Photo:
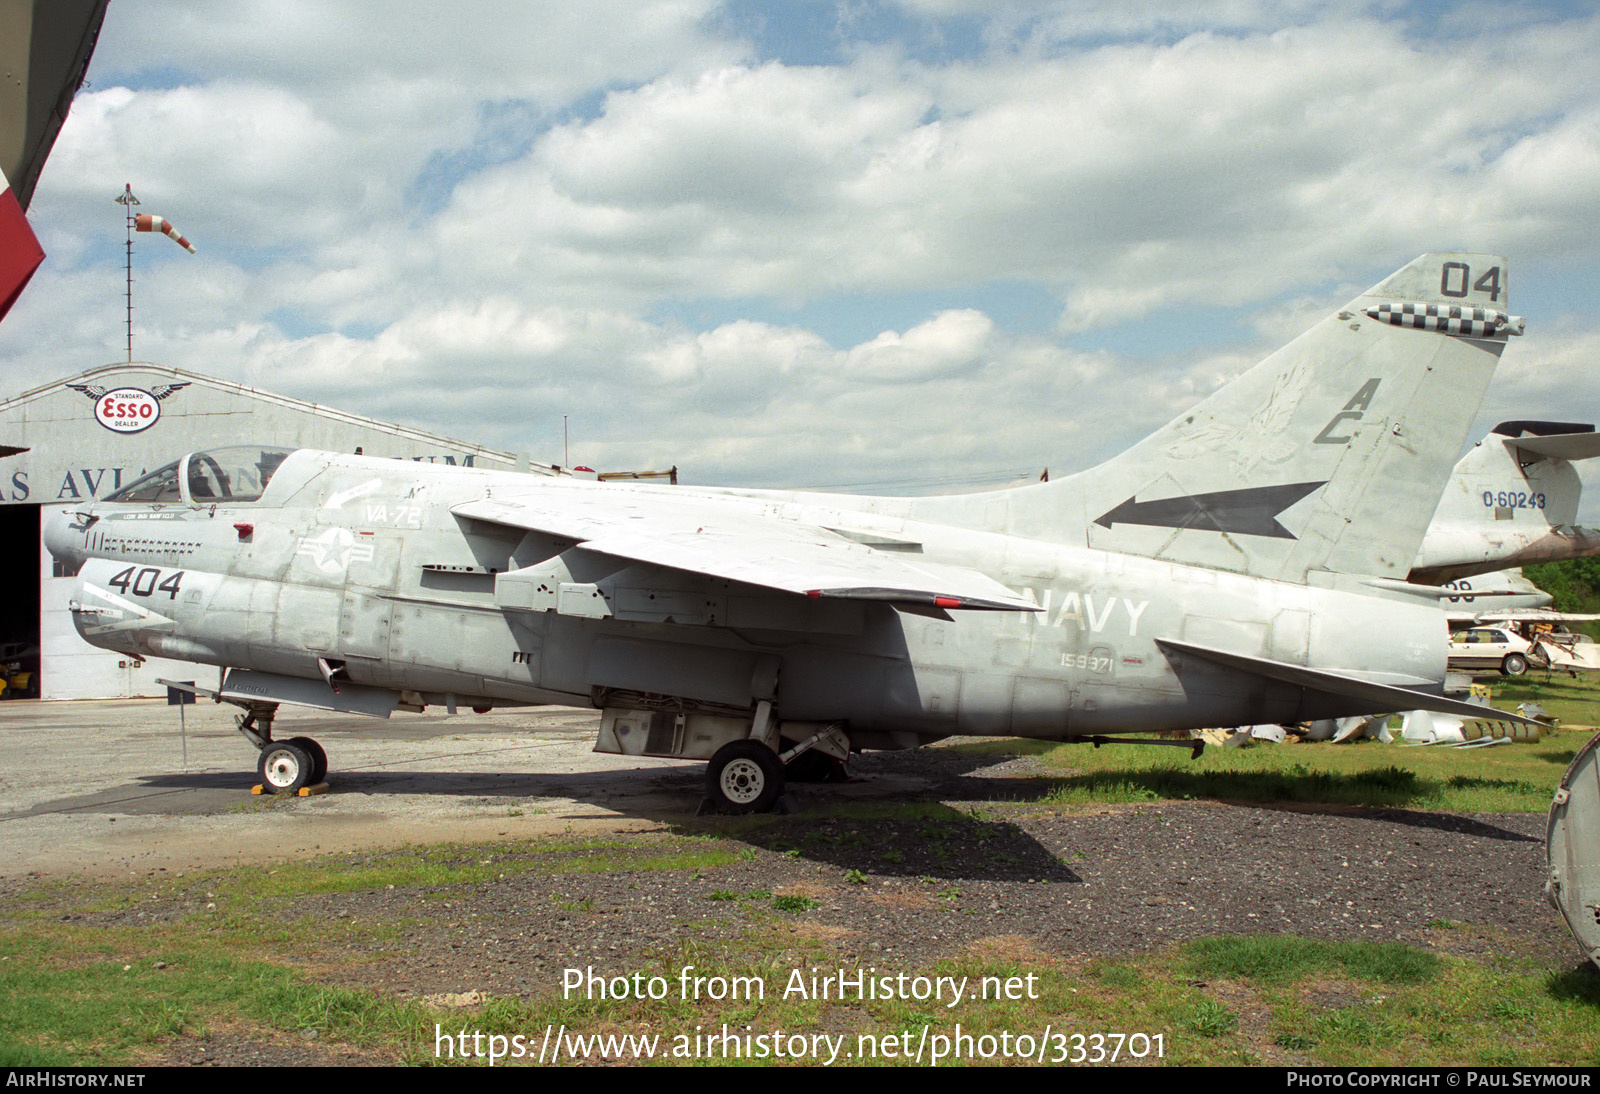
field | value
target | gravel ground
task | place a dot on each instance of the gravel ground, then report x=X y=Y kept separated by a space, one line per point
x=1053 y=887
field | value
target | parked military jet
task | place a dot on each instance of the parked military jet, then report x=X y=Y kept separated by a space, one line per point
x=1511 y=501
x=1245 y=564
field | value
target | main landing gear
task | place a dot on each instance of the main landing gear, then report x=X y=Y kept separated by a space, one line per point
x=744 y=777
x=747 y=776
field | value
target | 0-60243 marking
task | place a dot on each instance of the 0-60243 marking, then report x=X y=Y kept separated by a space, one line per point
x=1512 y=499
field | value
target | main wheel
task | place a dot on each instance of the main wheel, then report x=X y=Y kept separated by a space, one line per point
x=1514 y=665
x=744 y=777
x=319 y=758
x=284 y=767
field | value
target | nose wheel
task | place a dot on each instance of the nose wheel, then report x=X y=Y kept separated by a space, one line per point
x=286 y=766
x=319 y=758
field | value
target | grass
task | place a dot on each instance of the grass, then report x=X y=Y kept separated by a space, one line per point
x=1517 y=778
x=106 y=999
x=1276 y=959
x=1572 y=700
x=453 y=867
x=1511 y=779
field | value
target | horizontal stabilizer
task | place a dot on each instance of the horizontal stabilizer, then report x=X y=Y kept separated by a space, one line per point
x=1377 y=697
x=1536 y=615
x=1561 y=446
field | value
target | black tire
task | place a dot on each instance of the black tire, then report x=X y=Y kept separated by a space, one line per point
x=1514 y=665
x=284 y=767
x=319 y=758
x=744 y=777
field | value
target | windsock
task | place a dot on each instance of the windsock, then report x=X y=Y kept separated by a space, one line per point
x=144 y=222
x=20 y=253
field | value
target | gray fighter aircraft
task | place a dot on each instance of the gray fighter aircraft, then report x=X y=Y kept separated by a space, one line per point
x=1245 y=564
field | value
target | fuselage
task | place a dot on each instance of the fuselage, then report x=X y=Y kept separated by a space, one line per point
x=349 y=568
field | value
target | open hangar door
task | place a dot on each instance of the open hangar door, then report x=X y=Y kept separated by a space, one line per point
x=21 y=550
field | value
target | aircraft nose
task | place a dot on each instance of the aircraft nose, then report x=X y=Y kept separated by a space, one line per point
x=64 y=539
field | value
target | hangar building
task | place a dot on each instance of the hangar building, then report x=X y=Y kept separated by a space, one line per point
x=88 y=435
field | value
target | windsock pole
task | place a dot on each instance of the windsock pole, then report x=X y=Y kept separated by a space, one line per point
x=144 y=222
x=128 y=201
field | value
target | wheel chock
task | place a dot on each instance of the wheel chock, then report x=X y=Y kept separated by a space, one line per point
x=303 y=792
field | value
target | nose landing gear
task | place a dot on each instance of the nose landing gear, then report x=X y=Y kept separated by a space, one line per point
x=285 y=767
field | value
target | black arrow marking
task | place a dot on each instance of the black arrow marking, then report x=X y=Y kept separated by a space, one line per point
x=1251 y=512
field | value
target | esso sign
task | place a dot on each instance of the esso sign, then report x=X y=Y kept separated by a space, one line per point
x=127 y=410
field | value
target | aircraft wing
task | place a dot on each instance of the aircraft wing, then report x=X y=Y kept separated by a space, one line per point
x=704 y=537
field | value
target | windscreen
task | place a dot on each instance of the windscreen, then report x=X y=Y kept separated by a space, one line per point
x=237 y=473
x=159 y=485
x=233 y=474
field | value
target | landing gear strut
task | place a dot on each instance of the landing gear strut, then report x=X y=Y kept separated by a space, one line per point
x=284 y=766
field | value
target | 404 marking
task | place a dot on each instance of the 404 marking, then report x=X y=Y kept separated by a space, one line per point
x=147 y=581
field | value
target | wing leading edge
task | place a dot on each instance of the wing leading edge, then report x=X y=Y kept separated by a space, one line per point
x=713 y=540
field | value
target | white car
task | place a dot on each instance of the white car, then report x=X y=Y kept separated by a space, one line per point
x=1491 y=648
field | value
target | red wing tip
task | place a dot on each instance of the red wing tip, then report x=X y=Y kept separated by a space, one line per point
x=946 y=602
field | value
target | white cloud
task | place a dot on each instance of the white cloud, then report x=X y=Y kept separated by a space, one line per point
x=475 y=222
x=950 y=343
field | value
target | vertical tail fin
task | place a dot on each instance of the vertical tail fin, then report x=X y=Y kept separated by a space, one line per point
x=1512 y=500
x=1330 y=454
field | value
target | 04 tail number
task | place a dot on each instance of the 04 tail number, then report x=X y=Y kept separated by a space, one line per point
x=1455 y=276
x=147 y=581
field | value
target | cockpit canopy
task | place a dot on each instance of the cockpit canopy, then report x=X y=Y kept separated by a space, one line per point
x=234 y=474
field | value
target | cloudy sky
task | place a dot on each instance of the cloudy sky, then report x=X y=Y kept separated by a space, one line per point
x=890 y=245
